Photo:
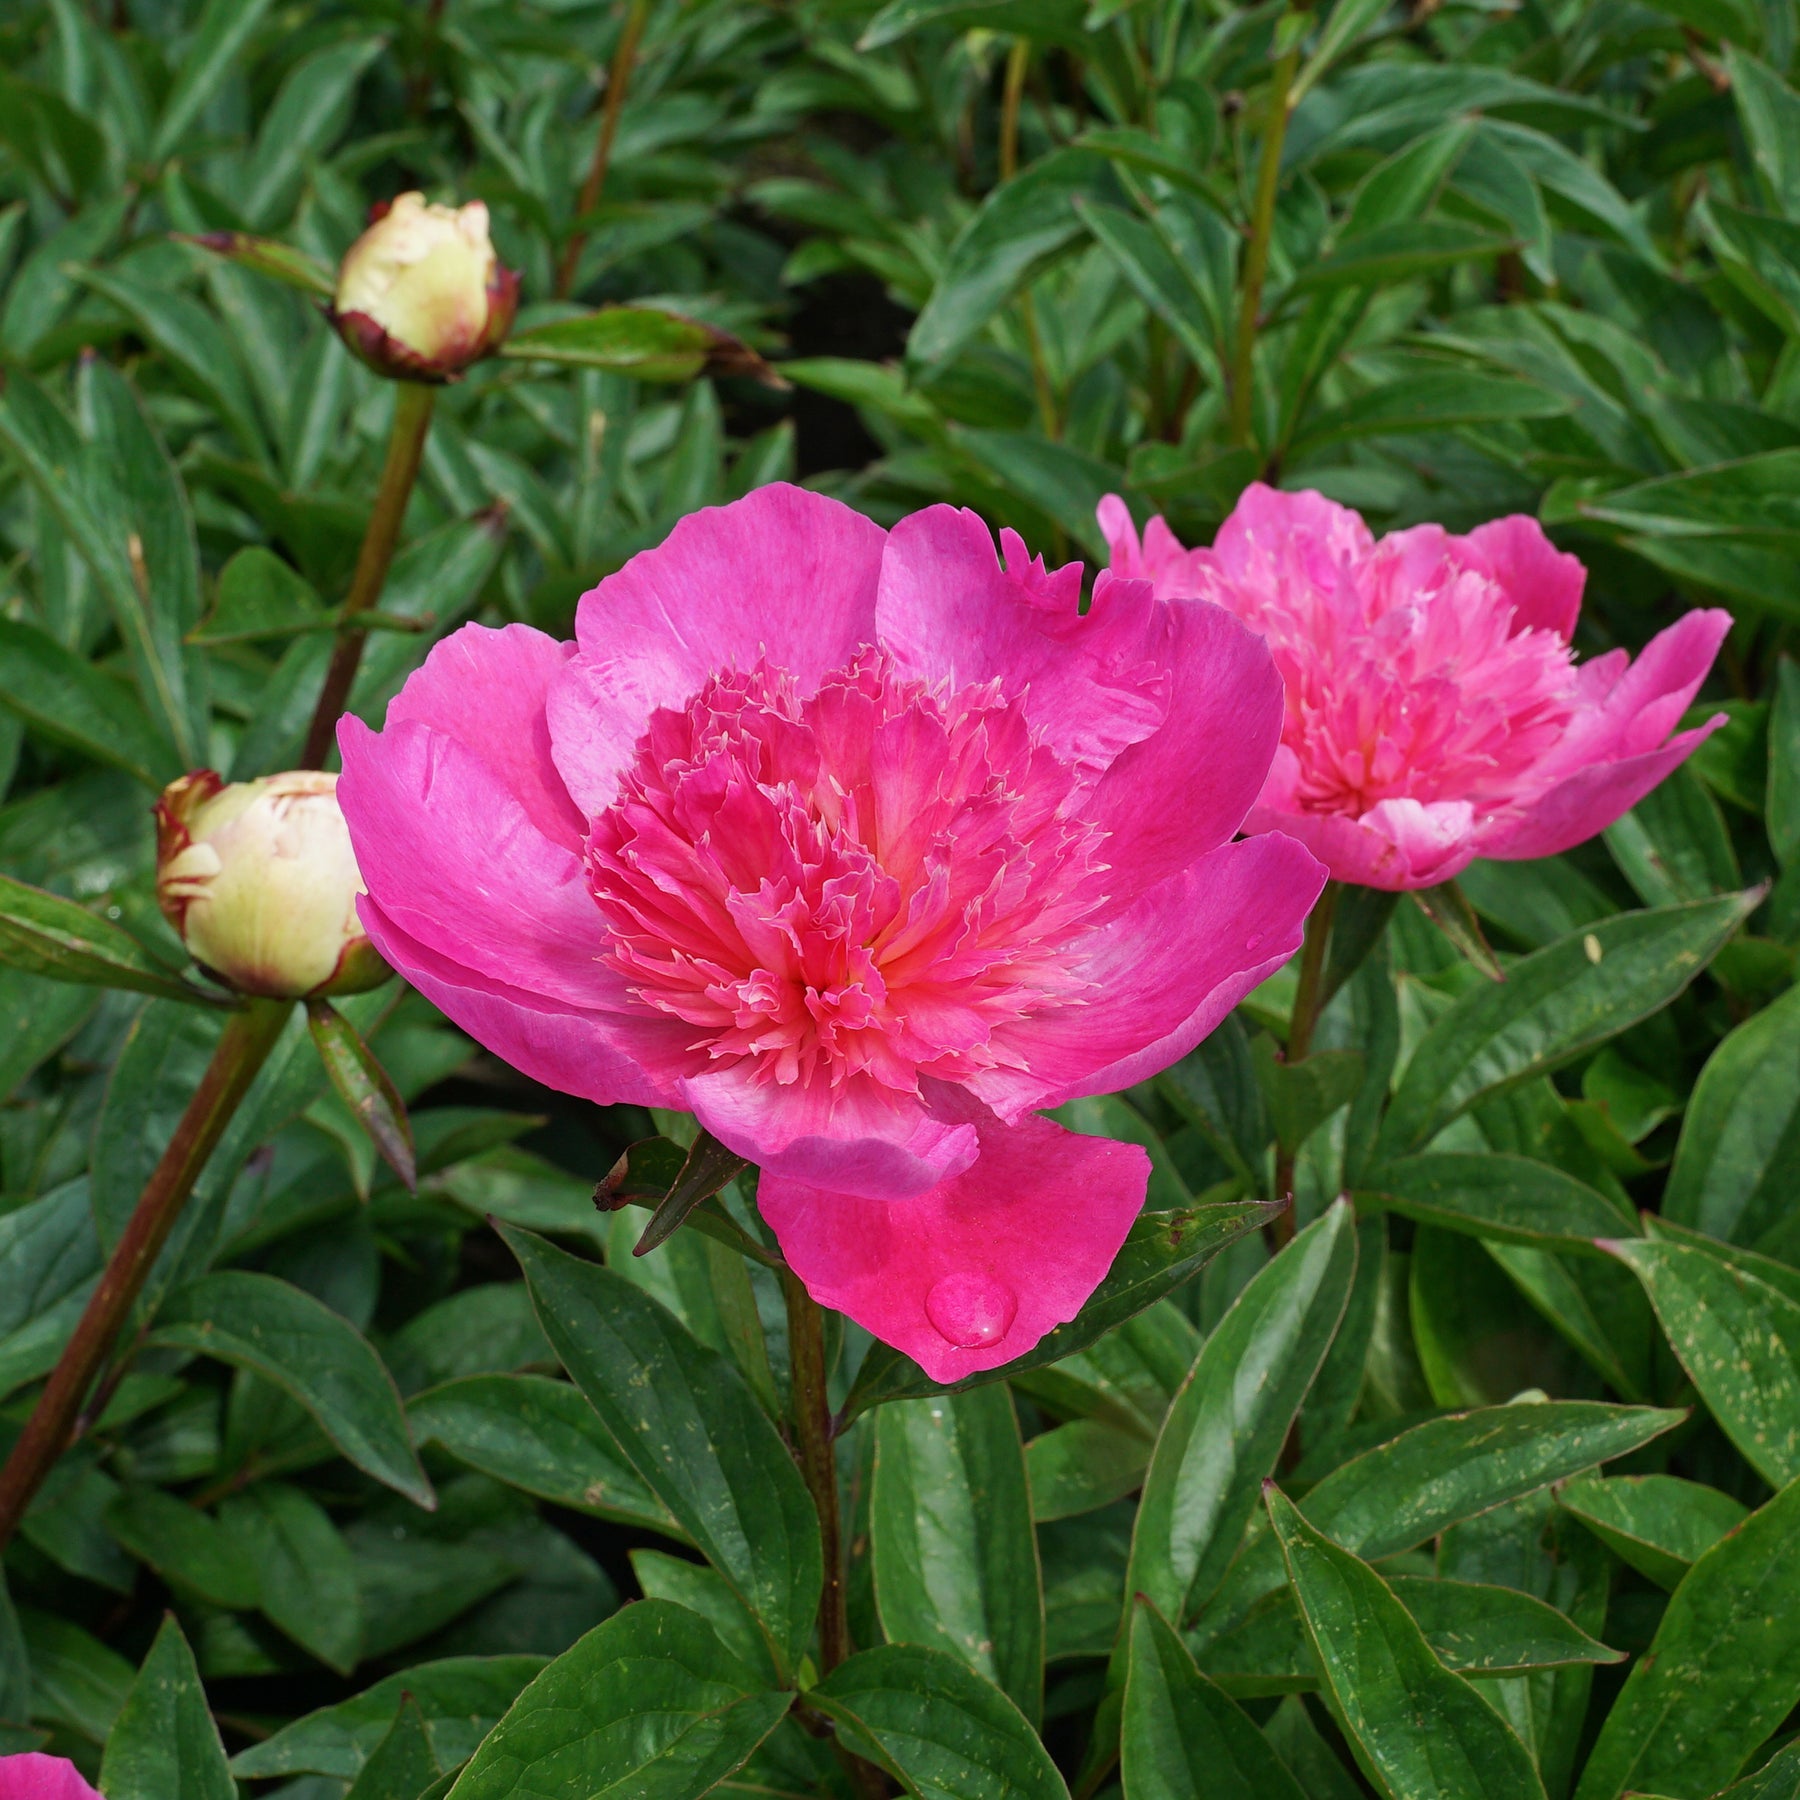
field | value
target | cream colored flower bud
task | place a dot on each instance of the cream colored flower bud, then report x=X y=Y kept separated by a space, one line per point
x=259 y=879
x=421 y=294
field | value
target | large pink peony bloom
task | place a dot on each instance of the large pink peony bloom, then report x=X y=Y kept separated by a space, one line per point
x=863 y=850
x=1435 y=711
x=36 y=1777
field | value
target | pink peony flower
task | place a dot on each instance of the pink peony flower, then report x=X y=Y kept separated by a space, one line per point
x=1435 y=710
x=863 y=850
x=37 y=1777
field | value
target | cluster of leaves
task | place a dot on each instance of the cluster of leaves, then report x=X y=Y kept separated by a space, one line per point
x=361 y=1503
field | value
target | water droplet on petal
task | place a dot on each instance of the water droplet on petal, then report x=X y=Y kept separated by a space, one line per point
x=1255 y=938
x=971 y=1310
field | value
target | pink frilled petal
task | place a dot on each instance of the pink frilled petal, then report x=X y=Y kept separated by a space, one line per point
x=1588 y=801
x=1186 y=789
x=859 y=1137
x=972 y=1273
x=472 y=898
x=487 y=689
x=1160 y=558
x=1397 y=845
x=948 y=612
x=37 y=1777
x=1164 y=972
x=1303 y=532
x=1543 y=583
x=782 y=575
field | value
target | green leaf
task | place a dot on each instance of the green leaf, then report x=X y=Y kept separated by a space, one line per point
x=1769 y=111
x=1181 y=1738
x=364 y=1086
x=1161 y=1251
x=1553 y=1006
x=461 y=1698
x=257 y=1322
x=165 y=1741
x=1783 y=798
x=189 y=1550
x=1473 y=1627
x=694 y=1432
x=1398 y=252
x=542 y=1437
x=641 y=341
x=1214 y=1087
x=307 y=1580
x=268 y=256
x=1447 y=396
x=1054 y=21
x=1083 y=1465
x=259 y=596
x=1301 y=1096
x=1777 y=1779
x=1448 y=1469
x=1659 y=1524
x=1019 y=229
x=936 y=1726
x=1383 y=1681
x=44 y=934
x=37 y=1018
x=1511 y=1199
x=706 y=1592
x=1739 y=1155
x=1225 y=1431
x=225 y=28
x=650 y=1704
x=707 y=1167
x=1721 y=1673
x=67 y=700
x=1737 y=1337
x=950 y=1528
x=402 y=1766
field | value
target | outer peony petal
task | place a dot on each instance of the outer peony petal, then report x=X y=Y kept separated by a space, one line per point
x=598 y=1055
x=1186 y=790
x=34 y=1776
x=948 y=612
x=1166 y=971
x=1396 y=846
x=860 y=1138
x=451 y=857
x=1588 y=801
x=782 y=574
x=1543 y=583
x=1273 y=535
x=487 y=690
x=974 y=1272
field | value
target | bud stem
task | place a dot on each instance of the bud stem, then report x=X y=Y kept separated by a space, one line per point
x=413 y=403
x=617 y=80
x=249 y=1037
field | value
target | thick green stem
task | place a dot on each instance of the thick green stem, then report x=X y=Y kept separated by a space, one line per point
x=413 y=403
x=1256 y=251
x=248 y=1039
x=1314 y=953
x=617 y=81
x=818 y=1461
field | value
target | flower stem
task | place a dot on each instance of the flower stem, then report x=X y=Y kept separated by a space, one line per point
x=413 y=403
x=248 y=1039
x=617 y=80
x=817 y=1459
x=1305 y=1016
x=1256 y=251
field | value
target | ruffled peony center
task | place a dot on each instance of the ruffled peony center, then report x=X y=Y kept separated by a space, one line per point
x=1405 y=675
x=871 y=881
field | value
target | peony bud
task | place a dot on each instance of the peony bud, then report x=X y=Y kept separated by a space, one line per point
x=259 y=879
x=421 y=294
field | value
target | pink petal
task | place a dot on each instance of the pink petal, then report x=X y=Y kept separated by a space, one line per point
x=1318 y=533
x=1186 y=789
x=949 y=613
x=861 y=1138
x=602 y=1056
x=1397 y=845
x=453 y=859
x=1543 y=583
x=486 y=689
x=782 y=574
x=974 y=1272
x=1588 y=801
x=1166 y=971
x=34 y=1776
